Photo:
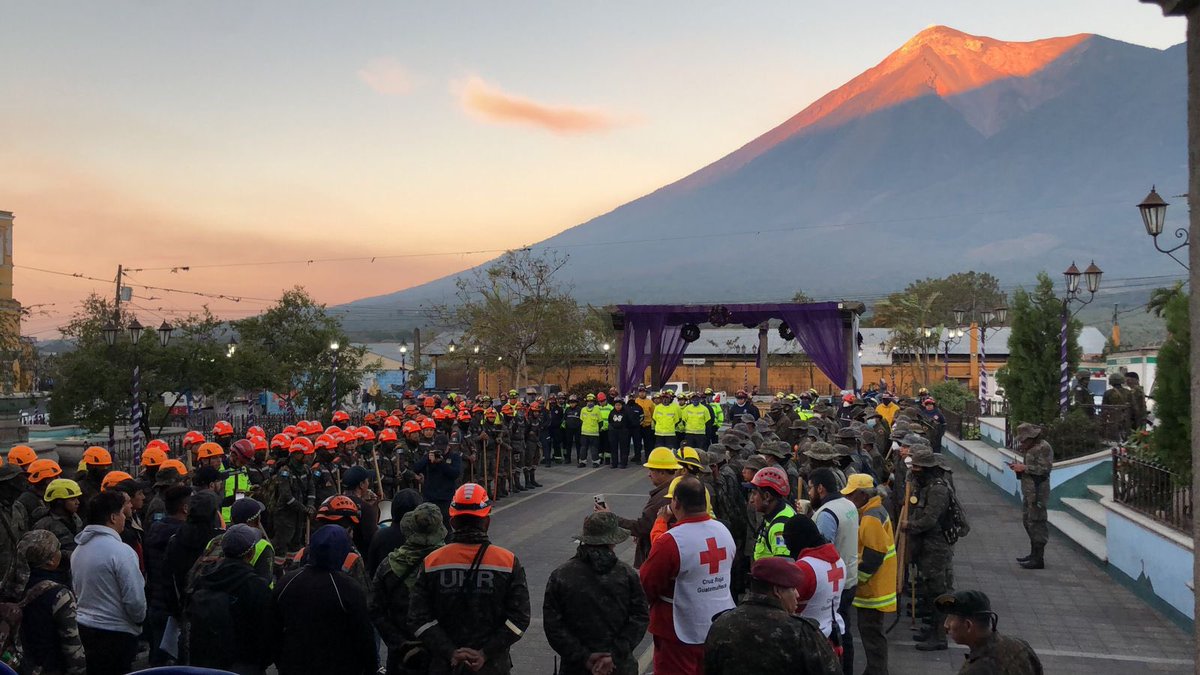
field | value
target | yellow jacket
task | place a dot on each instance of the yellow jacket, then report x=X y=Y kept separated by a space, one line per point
x=876 y=559
x=647 y=407
x=665 y=418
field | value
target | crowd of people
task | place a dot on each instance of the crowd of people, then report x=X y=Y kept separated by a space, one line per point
x=763 y=541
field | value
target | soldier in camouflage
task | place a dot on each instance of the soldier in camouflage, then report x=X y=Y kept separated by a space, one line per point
x=291 y=501
x=971 y=622
x=1081 y=395
x=49 y=632
x=1034 y=472
x=928 y=517
x=1118 y=395
x=763 y=635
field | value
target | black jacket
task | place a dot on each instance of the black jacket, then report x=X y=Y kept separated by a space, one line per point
x=320 y=624
x=251 y=611
x=390 y=537
x=183 y=550
x=160 y=588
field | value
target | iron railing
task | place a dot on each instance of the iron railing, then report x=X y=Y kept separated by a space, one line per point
x=965 y=424
x=1151 y=489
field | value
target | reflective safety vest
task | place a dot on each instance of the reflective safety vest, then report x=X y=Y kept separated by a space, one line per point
x=604 y=409
x=877 y=564
x=804 y=413
x=718 y=413
x=665 y=417
x=237 y=486
x=769 y=542
x=696 y=418
x=591 y=420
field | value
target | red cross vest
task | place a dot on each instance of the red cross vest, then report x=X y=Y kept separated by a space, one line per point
x=702 y=588
x=831 y=581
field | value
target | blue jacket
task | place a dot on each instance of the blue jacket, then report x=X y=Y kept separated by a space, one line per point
x=441 y=478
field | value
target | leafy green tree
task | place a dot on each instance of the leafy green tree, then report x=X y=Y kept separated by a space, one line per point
x=962 y=290
x=1172 y=385
x=1031 y=376
x=293 y=356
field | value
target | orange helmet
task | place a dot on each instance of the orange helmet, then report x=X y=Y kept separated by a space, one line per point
x=464 y=416
x=281 y=441
x=409 y=409
x=290 y=430
x=209 y=449
x=260 y=444
x=411 y=427
x=332 y=429
x=477 y=408
x=174 y=464
x=193 y=438
x=338 y=508
x=429 y=402
x=427 y=423
x=470 y=499
x=507 y=410
x=327 y=442
x=153 y=456
x=222 y=428
x=255 y=431
x=439 y=414
x=392 y=421
x=97 y=456
x=302 y=445
x=21 y=455
x=112 y=478
x=490 y=413
x=387 y=435
x=396 y=412
x=364 y=434
x=43 y=469
x=535 y=406
x=341 y=416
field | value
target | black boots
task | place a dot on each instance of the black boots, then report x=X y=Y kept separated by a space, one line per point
x=1036 y=560
x=531 y=479
x=937 y=635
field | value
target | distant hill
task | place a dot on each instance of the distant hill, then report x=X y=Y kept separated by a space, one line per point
x=955 y=153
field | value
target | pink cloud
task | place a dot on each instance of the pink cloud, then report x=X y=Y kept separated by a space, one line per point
x=386 y=76
x=491 y=104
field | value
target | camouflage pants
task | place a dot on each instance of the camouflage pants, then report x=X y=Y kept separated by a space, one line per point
x=532 y=453
x=499 y=464
x=289 y=532
x=935 y=563
x=1035 y=495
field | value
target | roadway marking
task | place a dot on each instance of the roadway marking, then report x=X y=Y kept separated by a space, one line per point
x=1085 y=655
x=606 y=494
x=522 y=500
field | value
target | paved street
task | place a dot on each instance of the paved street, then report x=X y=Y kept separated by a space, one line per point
x=1076 y=617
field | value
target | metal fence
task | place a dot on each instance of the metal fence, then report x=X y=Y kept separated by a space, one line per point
x=965 y=424
x=993 y=408
x=1149 y=488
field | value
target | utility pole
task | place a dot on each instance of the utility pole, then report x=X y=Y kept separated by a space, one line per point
x=112 y=432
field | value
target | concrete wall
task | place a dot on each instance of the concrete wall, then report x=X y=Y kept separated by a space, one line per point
x=1155 y=557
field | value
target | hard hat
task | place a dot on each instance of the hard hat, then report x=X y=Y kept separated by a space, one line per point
x=369 y=418
x=428 y=424
x=174 y=464
x=290 y=430
x=43 y=469
x=772 y=478
x=209 y=449
x=338 y=508
x=392 y=421
x=663 y=459
x=364 y=434
x=601 y=397
x=97 y=456
x=923 y=390
x=326 y=442
x=409 y=409
x=411 y=427
x=243 y=448
x=847 y=398
x=708 y=390
x=741 y=393
x=112 y=478
x=490 y=413
x=332 y=430
x=429 y=402
x=260 y=444
x=689 y=457
x=159 y=443
x=572 y=399
x=387 y=435
x=255 y=431
x=193 y=438
x=153 y=456
x=21 y=455
x=62 y=488
x=779 y=394
x=281 y=441
x=470 y=499
x=590 y=397
x=507 y=410
x=439 y=414
x=929 y=399
x=668 y=393
x=302 y=445
x=464 y=416
x=222 y=428
x=341 y=416
x=512 y=393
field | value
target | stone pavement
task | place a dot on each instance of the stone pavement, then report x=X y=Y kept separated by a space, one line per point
x=1074 y=615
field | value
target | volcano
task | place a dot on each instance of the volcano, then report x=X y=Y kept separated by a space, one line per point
x=957 y=152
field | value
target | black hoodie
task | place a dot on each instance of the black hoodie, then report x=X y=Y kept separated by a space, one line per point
x=251 y=611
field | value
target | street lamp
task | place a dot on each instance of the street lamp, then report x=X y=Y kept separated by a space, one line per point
x=135 y=331
x=451 y=347
x=334 y=346
x=1091 y=281
x=110 y=331
x=606 y=347
x=951 y=337
x=231 y=348
x=403 y=366
x=988 y=319
x=1154 y=217
x=164 y=334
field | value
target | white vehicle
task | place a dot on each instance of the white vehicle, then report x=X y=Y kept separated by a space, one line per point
x=676 y=388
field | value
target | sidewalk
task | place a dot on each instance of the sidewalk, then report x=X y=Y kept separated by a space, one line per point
x=1072 y=613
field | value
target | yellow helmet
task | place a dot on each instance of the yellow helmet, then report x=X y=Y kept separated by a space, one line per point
x=662 y=459
x=62 y=488
x=689 y=457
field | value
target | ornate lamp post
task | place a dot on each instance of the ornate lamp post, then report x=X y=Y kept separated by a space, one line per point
x=403 y=367
x=986 y=319
x=950 y=336
x=1091 y=279
x=334 y=347
x=606 y=347
x=1154 y=216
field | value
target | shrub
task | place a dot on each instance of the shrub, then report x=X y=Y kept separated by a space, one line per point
x=1075 y=435
x=585 y=387
x=951 y=395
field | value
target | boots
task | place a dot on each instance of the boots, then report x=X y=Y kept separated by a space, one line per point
x=516 y=482
x=937 y=635
x=1036 y=561
x=532 y=480
x=1027 y=557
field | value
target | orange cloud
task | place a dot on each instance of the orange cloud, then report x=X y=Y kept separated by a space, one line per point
x=490 y=104
x=386 y=76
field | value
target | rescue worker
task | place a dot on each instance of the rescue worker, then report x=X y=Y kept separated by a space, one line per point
x=696 y=419
x=743 y=406
x=605 y=408
x=292 y=500
x=763 y=634
x=643 y=446
x=341 y=512
x=932 y=552
x=595 y=613
x=236 y=477
x=666 y=415
x=662 y=465
x=769 y=498
x=572 y=430
x=222 y=433
x=470 y=601
x=96 y=463
x=837 y=519
x=38 y=475
x=589 y=430
x=887 y=407
x=1034 y=473
x=876 y=594
x=62 y=517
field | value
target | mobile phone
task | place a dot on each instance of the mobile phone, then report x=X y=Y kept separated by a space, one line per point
x=599 y=499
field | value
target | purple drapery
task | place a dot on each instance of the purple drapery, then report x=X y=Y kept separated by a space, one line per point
x=819 y=328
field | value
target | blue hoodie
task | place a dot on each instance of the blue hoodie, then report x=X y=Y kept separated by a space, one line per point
x=107 y=582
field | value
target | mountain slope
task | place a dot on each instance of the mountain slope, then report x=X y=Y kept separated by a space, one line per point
x=956 y=152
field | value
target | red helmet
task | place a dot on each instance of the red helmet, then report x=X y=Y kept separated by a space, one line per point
x=338 y=508
x=772 y=478
x=535 y=406
x=364 y=434
x=470 y=499
x=392 y=421
x=369 y=418
x=341 y=416
x=156 y=443
x=464 y=416
x=193 y=438
x=490 y=413
x=290 y=430
x=429 y=402
x=741 y=393
x=327 y=442
x=281 y=441
x=255 y=431
x=396 y=412
x=332 y=429
x=260 y=444
x=428 y=423
x=928 y=400
x=387 y=435
x=222 y=428
x=302 y=445
x=243 y=448
x=411 y=427
x=439 y=414
x=601 y=397
x=409 y=409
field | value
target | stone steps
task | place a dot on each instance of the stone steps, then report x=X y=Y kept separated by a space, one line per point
x=1087 y=511
x=1085 y=536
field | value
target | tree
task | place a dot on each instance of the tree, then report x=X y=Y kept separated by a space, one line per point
x=912 y=328
x=962 y=290
x=293 y=339
x=802 y=297
x=577 y=340
x=1172 y=385
x=1031 y=376
x=511 y=308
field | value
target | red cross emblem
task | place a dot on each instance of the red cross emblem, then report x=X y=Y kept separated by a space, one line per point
x=713 y=556
x=835 y=577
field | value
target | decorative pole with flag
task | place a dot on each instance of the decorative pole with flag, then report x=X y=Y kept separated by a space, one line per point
x=136 y=410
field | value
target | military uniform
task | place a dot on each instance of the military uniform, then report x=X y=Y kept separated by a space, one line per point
x=65 y=528
x=1118 y=395
x=1081 y=394
x=929 y=513
x=294 y=499
x=1035 y=492
x=758 y=636
x=323 y=481
x=1002 y=654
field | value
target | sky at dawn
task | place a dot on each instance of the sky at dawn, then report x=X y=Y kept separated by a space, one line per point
x=216 y=134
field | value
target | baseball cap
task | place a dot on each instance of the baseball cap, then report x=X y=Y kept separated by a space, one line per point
x=858 y=481
x=963 y=603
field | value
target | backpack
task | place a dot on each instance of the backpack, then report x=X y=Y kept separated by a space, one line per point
x=210 y=632
x=954 y=523
x=10 y=619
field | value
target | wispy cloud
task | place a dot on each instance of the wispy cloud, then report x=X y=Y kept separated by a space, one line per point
x=489 y=103
x=386 y=76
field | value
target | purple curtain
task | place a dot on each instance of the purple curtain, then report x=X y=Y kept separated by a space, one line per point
x=673 y=349
x=823 y=336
